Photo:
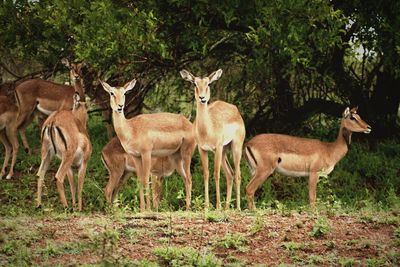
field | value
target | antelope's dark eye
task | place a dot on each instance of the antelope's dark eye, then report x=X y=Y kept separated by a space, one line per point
x=112 y=94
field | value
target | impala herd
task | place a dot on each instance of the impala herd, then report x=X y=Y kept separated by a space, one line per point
x=156 y=145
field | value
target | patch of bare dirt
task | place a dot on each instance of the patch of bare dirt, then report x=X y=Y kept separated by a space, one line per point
x=270 y=238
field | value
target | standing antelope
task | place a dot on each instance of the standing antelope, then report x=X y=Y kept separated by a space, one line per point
x=8 y=133
x=47 y=97
x=152 y=135
x=217 y=127
x=64 y=134
x=295 y=156
x=120 y=166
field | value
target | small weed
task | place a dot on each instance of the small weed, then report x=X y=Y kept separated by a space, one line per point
x=397 y=237
x=330 y=244
x=133 y=235
x=235 y=241
x=320 y=228
x=376 y=262
x=348 y=262
x=292 y=246
x=163 y=240
x=257 y=225
x=393 y=257
x=110 y=239
x=350 y=243
x=299 y=224
x=282 y=209
x=315 y=259
x=366 y=244
x=216 y=217
x=272 y=234
x=232 y=261
x=296 y=258
x=186 y=256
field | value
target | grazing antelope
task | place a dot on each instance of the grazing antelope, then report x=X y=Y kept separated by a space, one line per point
x=47 y=97
x=217 y=127
x=295 y=156
x=8 y=134
x=120 y=166
x=152 y=135
x=64 y=134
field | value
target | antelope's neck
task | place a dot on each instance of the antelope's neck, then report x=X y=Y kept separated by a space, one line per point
x=339 y=148
x=120 y=125
x=203 y=120
x=81 y=115
x=78 y=86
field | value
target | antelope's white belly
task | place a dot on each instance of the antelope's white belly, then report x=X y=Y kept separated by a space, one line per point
x=130 y=168
x=43 y=110
x=163 y=152
x=291 y=173
x=328 y=170
x=230 y=132
x=207 y=147
x=294 y=173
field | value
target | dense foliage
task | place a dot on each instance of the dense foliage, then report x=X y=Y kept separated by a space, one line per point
x=280 y=58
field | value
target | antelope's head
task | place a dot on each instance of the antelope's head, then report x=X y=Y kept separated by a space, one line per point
x=352 y=123
x=202 y=89
x=117 y=95
x=79 y=109
x=75 y=69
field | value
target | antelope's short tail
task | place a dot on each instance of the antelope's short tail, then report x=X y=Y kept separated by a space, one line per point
x=250 y=158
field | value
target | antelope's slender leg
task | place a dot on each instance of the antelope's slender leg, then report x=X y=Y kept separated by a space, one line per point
x=206 y=174
x=312 y=188
x=261 y=175
x=237 y=155
x=8 y=149
x=229 y=178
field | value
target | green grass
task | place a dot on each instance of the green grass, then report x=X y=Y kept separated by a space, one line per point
x=366 y=179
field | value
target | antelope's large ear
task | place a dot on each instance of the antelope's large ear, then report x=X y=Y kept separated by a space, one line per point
x=81 y=65
x=106 y=86
x=215 y=75
x=65 y=62
x=346 y=112
x=187 y=76
x=129 y=86
x=354 y=110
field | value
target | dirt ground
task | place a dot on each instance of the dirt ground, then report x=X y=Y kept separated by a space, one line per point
x=237 y=239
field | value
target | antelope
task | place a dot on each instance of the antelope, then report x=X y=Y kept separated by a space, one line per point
x=64 y=134
x=47 y=97
x=297 y=157
x=120 y=166
x=218 y=126
x=8 y=134
x=152 y=135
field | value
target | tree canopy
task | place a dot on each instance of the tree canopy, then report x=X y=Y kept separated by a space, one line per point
x=283 y=60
